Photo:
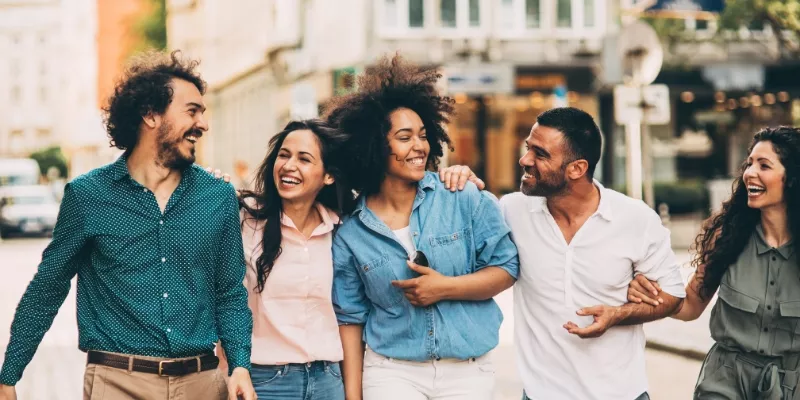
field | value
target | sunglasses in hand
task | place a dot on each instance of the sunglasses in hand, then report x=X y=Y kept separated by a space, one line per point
x=420 y=259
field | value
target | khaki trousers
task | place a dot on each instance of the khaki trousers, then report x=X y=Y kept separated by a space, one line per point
x=101 y=382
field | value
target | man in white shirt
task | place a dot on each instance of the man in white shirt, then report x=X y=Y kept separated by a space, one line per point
x=580 y=245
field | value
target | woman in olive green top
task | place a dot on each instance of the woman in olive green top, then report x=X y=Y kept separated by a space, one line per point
x=746 y=254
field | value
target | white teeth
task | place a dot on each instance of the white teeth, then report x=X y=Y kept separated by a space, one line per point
x=527 y=176
x=290 y=181
x=192 y=138
x=416 y=161
x=754 y=187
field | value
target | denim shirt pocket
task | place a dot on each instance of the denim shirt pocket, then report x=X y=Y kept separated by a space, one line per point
x=378 y=277
x=450 y=255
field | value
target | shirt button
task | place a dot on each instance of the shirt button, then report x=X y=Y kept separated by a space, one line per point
x=416 y=233
x=145 y=190
x=163 y=259
x=430 y=333
x=161 y=222
x=766 y=329
x=166 y=295
x=169 y=330
x=305 y=249
x=769 y=307
x=773 y=258
x=761 y=351
x=772 y=283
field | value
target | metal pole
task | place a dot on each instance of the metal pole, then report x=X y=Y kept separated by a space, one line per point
x=633 y=159
x=647 y=166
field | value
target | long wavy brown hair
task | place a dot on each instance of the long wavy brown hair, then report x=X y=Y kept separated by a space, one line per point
x=268 y=207
x=724 y=235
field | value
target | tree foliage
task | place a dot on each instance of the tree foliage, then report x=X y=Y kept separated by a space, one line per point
x=782 y=16
x=51 y=157
x=150 y=29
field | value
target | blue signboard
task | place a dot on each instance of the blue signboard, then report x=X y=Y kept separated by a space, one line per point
x=699 y=9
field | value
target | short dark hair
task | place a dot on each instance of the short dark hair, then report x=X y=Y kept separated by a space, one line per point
x=385 y=87
x=582 y=137
x=145 y=87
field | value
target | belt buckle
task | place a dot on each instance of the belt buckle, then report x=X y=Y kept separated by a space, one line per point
x=161 y=367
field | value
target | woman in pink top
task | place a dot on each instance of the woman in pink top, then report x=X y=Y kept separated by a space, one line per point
x=287 y=227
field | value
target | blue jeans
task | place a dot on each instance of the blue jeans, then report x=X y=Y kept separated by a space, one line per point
x=318 y=380
x=643 y=396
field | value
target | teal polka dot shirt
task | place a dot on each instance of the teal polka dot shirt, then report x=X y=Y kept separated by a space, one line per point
x=150 y=284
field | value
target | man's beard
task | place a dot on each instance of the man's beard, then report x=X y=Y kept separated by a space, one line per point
x=554 y=184
x=169 y=154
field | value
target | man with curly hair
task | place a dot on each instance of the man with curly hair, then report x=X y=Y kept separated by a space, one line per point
x=156 y=245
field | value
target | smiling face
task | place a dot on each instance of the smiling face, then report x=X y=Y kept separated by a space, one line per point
x=299 y=172
x=764 y=177
x=181 y=126
x=544 y=164
x=408 y=146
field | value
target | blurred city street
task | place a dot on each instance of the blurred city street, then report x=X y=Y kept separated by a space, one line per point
x=56 y=372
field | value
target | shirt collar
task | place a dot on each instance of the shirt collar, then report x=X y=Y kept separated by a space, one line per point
x=329 y=219
x=762 y=247
x=119 y=169
x=427 y=183
x=539 y=203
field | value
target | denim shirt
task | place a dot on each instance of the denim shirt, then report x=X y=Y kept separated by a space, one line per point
x=460 y=233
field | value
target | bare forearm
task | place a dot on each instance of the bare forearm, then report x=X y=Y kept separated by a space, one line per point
x=635 y=314
x=480 y=285
x=353 y=363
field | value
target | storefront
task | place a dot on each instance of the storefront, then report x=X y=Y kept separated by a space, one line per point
x=489 y=129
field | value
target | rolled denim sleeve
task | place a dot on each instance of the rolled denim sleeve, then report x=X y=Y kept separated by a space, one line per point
x=493 y=243
x=349 y=299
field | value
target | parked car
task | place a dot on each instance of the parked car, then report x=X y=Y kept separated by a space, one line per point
x=27 y=210
x=19 y=171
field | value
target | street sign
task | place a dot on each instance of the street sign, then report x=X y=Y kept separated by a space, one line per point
x=648 y=104
x=480 y=78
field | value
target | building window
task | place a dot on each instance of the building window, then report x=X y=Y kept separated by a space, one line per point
x=43 y=94
x=447 y=13
x=564 y=13
x=532 y=14
x=474 y=13
x=16 y=141
x=13 y=68
x=416 y=13
x=390 y=13
x=16 y=94
x=588 y=13
x=701 y=24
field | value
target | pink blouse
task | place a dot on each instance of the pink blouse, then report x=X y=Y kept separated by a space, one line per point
x=293 y=318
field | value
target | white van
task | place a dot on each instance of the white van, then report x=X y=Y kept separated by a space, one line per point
x=19 y=171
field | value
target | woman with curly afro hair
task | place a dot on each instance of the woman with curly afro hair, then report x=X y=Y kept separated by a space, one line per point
x=415 y=265
x=747 y=255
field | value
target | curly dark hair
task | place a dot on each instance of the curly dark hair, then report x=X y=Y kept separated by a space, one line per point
x=268 y=204
x=725 y=235
x=388 y=85
x=145 y=87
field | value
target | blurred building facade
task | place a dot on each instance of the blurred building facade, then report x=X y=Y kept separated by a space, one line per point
x=724 y=86
x=504 y=61
x=266 y=62
x=49 y=66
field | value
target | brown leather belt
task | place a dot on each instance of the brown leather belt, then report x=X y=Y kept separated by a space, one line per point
x=204 y=362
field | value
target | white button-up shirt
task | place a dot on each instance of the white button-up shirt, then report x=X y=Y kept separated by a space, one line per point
x=622 y=238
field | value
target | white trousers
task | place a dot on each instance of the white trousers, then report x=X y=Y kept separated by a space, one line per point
x=391 y=379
